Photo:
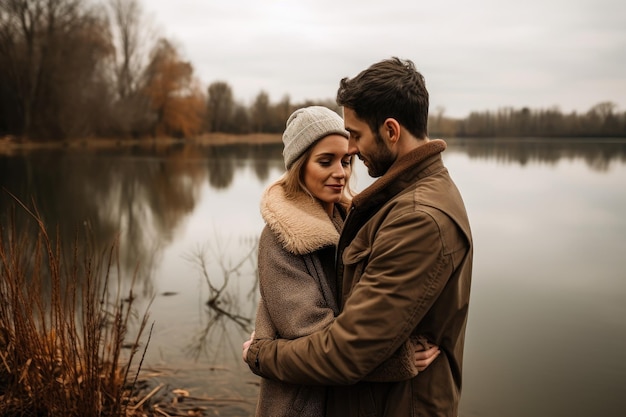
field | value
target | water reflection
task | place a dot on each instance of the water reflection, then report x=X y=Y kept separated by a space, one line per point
x=224 y=161
x=142 y=194
x=597 y=153
x=547 y=220
x=145 y=193
x=223 y=309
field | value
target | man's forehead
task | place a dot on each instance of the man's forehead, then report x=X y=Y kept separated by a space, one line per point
x=351 y=120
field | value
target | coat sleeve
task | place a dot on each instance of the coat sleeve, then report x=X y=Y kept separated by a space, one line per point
x=390 y=299
x=398 y=367
x=291 y=298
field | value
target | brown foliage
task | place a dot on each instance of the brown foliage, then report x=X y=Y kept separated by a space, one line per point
x=173 y=93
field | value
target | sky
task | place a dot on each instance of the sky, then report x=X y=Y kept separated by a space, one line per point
x=475 y=55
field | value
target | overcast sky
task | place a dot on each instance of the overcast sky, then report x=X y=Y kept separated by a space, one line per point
x=475 y=55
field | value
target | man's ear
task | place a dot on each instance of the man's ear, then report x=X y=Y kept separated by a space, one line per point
x=391 y=130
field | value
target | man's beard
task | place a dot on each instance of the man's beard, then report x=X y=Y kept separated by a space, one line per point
x=381 y=159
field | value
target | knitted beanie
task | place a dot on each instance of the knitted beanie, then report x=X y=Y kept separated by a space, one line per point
x=306 y=126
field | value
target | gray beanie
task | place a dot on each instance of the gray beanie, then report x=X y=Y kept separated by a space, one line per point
x=306 y=126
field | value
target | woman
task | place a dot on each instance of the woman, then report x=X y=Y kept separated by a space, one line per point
x=304 y=212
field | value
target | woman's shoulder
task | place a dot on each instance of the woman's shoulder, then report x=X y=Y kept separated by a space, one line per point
x=300 y=223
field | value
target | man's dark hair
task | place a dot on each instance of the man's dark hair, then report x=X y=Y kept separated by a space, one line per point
x=389 y=88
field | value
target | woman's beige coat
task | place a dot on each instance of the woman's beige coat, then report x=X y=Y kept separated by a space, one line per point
x=296 y=256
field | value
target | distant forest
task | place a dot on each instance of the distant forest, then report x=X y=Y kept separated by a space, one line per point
x=73 y=69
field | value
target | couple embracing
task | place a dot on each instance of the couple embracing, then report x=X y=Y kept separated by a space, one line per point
x=364 y=298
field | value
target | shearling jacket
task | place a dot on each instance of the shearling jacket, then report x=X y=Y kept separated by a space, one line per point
x=405 y=255
x=296 y=260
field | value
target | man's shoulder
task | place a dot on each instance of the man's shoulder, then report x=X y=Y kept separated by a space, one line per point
x=434 y=196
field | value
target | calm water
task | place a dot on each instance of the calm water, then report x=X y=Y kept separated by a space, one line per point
x=547 y=328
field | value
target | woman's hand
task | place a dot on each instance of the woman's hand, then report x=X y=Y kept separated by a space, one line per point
x=424 y=357
x=246 y=346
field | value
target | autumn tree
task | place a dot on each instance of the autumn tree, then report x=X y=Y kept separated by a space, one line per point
x=174 y=94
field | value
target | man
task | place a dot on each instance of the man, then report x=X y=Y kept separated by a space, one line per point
x=404 y=262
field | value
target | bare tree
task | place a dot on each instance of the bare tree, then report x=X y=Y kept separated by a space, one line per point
x=132 y=37
x=280 y=114
x=21 y=51
x=51 y=53
x=241 y=119
x=260 y=112
x=220 y=106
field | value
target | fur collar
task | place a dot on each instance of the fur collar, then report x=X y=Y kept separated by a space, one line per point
x=301 y=224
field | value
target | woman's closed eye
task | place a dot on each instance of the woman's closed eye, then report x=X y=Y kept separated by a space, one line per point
x=324 y=162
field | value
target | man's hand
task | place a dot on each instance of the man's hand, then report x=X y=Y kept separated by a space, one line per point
x=246 y=346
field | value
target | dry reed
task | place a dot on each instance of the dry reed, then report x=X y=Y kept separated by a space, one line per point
x=63 y=327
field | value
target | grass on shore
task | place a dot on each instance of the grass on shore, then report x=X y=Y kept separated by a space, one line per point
x=64 y=326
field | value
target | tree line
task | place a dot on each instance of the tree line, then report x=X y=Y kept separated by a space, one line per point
x=84 y=68
x=601 y=120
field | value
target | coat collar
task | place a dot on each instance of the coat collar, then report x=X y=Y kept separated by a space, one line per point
x=399 y=174
x=301 y=224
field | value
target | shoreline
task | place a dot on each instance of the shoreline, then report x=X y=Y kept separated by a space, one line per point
x=11 y=144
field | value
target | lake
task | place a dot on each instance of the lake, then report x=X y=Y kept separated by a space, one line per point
x=547 y=327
